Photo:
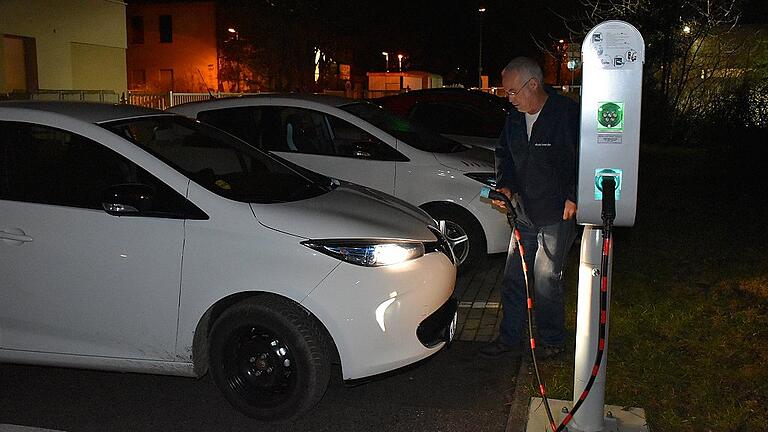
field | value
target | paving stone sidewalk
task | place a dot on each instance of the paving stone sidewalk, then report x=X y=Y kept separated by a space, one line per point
x=479 y=295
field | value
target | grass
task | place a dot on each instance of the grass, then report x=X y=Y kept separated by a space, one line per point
x=689 y=313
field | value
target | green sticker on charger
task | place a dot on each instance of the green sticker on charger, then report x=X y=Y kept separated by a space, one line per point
x=610 y=117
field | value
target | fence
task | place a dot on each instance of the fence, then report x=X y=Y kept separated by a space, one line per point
x=163 y=101
x=104 y=96
x=166 y=100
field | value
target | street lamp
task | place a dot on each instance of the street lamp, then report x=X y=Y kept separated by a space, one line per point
x=481 y=12
x=560 y=53
x=386 y=58
x=400 y=62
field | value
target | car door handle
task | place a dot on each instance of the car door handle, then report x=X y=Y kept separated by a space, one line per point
x=5 y=235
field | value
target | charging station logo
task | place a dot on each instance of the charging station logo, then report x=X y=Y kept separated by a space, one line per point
x=610 y=117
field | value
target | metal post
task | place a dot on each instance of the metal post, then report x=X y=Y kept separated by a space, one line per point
x=589 y=418
x=481 y=12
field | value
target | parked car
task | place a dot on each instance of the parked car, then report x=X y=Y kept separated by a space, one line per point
x=360 y=142
x=137 y=240
x=471 y=117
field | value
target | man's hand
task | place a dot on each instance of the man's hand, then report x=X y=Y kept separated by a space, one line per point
x=501 y=204
x=570 y=210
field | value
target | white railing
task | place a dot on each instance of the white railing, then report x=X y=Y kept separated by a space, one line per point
x=166 y=100
x=106 y=96
x=159 y=101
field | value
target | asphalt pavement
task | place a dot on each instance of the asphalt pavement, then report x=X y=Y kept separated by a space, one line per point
x=455 y=390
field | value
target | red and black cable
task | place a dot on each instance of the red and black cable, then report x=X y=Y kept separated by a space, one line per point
x=606 y=250
x=608 y=215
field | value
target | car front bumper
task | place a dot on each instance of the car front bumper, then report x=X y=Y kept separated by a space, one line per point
x=383 y=318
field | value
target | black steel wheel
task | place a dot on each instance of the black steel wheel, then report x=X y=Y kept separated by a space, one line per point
x=267 y=358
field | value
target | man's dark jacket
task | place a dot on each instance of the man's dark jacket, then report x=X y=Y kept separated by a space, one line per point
x=543 y=169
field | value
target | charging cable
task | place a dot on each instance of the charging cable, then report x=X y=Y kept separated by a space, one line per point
x=489 y=193
x=608 y=215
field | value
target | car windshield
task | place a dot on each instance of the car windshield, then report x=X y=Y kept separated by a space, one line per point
x=220 y=162
x=405 y=131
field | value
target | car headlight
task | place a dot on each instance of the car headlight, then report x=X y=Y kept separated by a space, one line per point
x=368 y=253
x=488 y=179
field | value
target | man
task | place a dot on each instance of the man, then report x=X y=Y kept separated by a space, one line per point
x=536 y=168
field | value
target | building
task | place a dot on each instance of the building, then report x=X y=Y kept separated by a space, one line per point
x=62 y=45
x=384 y=83
x=172 y=46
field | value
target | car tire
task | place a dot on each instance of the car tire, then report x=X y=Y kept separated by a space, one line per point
x=460 y=223
x=267 y=357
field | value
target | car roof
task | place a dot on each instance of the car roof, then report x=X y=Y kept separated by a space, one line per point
x=91 y=112
x=448 y=91
x=330 y=100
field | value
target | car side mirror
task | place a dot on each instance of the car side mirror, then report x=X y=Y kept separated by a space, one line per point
x=130 y=199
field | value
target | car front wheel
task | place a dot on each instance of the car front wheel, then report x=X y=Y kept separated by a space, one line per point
x=463 y=232
x=267 y=357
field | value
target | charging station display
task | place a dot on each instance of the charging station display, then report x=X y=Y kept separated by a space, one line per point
x=613 y=54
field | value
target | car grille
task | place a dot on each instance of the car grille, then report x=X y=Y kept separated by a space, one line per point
x=441 y=245
x=438 y=327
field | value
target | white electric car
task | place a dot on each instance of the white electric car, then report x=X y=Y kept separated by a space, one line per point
x=362 y=143
x=138 y=240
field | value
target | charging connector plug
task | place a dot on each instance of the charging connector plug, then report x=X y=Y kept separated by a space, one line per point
x=608 y=213
x=487 y=192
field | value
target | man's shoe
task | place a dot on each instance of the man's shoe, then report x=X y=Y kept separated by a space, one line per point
x=550 y=352
x=497 y=349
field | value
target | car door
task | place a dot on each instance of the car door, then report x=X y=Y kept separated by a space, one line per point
x=76 y=280
x=315 y=140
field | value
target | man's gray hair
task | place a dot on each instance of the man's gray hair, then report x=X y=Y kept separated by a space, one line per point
x=524 y=66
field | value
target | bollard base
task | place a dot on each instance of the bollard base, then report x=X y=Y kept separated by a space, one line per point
x=617 y=418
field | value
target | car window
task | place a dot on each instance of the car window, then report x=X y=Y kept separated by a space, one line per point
x=305 y=131
x=298 y=130
x=408 y=132
x=44 y=165
x=448 y=119
x=313 y=132
x=220 y=162
x=352 y=141
x=242 y=122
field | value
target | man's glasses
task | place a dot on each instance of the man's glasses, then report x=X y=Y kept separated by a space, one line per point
x=517 y=92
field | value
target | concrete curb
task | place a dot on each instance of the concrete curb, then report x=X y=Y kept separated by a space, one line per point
x=518 y=409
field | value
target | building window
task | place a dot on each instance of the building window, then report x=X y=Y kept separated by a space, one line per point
x=137 y=30
x=166 y=80
x=138 y=79
x=19 y=55
x=166 y=29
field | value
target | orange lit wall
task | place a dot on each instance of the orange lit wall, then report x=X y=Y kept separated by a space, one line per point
x=188 y=63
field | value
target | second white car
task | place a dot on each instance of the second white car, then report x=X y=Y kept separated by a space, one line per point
x=360 y=142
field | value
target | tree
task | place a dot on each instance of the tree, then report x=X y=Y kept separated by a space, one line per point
x=695 y=54
x=275 y=44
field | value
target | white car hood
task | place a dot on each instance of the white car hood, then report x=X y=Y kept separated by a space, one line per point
x=473 y=159
x=348 y=211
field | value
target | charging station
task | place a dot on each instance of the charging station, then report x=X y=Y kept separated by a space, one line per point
x=613 y=54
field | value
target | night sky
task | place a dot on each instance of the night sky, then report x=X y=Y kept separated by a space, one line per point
x=442 y=36
x=439 y=36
